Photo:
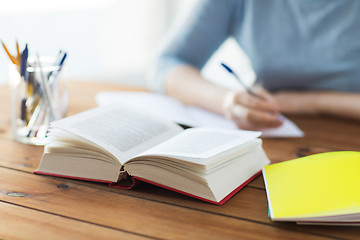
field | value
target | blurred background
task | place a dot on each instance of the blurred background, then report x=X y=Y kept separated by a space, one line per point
x=106 y=40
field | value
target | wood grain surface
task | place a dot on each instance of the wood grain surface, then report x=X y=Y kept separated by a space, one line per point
x=43 y=207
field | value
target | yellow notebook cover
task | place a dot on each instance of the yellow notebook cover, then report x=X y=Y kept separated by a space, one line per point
x=315 y=188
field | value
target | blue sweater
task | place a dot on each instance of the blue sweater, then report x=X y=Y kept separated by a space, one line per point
x=292 y=44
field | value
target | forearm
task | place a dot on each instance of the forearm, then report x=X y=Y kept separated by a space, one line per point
x=341 y=104
x=248 y=112
x=319 y=102
x=186 y=84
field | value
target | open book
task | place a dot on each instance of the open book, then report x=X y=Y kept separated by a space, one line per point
x=318 y=189
x=118 y=144
x=176 y=111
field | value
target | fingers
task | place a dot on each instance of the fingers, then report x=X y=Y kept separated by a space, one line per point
x=251 y=119
x=252 y=113
x=260 y=91
x=264 y=100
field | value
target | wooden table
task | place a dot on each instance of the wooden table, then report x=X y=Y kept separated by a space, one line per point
x=42 y=207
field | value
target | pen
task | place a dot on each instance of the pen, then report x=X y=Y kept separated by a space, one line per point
x=53 y=75
x=23 y=73
x=57 y=63
x=239 y=80
x=23 y=63
x=280 y=117
x=47 y=91
x=61 y=59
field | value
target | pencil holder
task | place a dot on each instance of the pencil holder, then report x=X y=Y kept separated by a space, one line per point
x=39 y=96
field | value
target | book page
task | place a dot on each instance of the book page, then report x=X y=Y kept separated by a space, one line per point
x=160 y=104
x=174 y=110
x=202 y=143
x=122 y=131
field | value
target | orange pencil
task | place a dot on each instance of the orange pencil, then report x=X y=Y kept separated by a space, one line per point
x=18 y=57
x=8 y=53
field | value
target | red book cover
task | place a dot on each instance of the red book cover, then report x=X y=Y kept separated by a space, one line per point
x=135 y=180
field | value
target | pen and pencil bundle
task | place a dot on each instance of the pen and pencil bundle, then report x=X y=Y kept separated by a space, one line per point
x=39 y=94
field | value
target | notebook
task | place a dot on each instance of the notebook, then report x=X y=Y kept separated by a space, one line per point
x=318 y=189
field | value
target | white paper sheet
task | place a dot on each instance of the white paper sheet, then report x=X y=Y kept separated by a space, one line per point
x=188 y=115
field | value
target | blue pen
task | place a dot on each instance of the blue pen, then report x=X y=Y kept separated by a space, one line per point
x=23 y=63
x=239 y=80
x=53 y=75
x=280 y=117
x=24 y=74
x=59 y=63
x=62 y=60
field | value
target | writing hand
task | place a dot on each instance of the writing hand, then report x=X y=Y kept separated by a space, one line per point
x=251 y=112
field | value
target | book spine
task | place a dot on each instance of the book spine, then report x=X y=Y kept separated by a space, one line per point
x=125 y=184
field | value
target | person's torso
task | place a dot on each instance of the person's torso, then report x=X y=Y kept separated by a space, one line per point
x=302 y=44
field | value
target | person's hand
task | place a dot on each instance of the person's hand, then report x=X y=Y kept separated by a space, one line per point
x=252 y=112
